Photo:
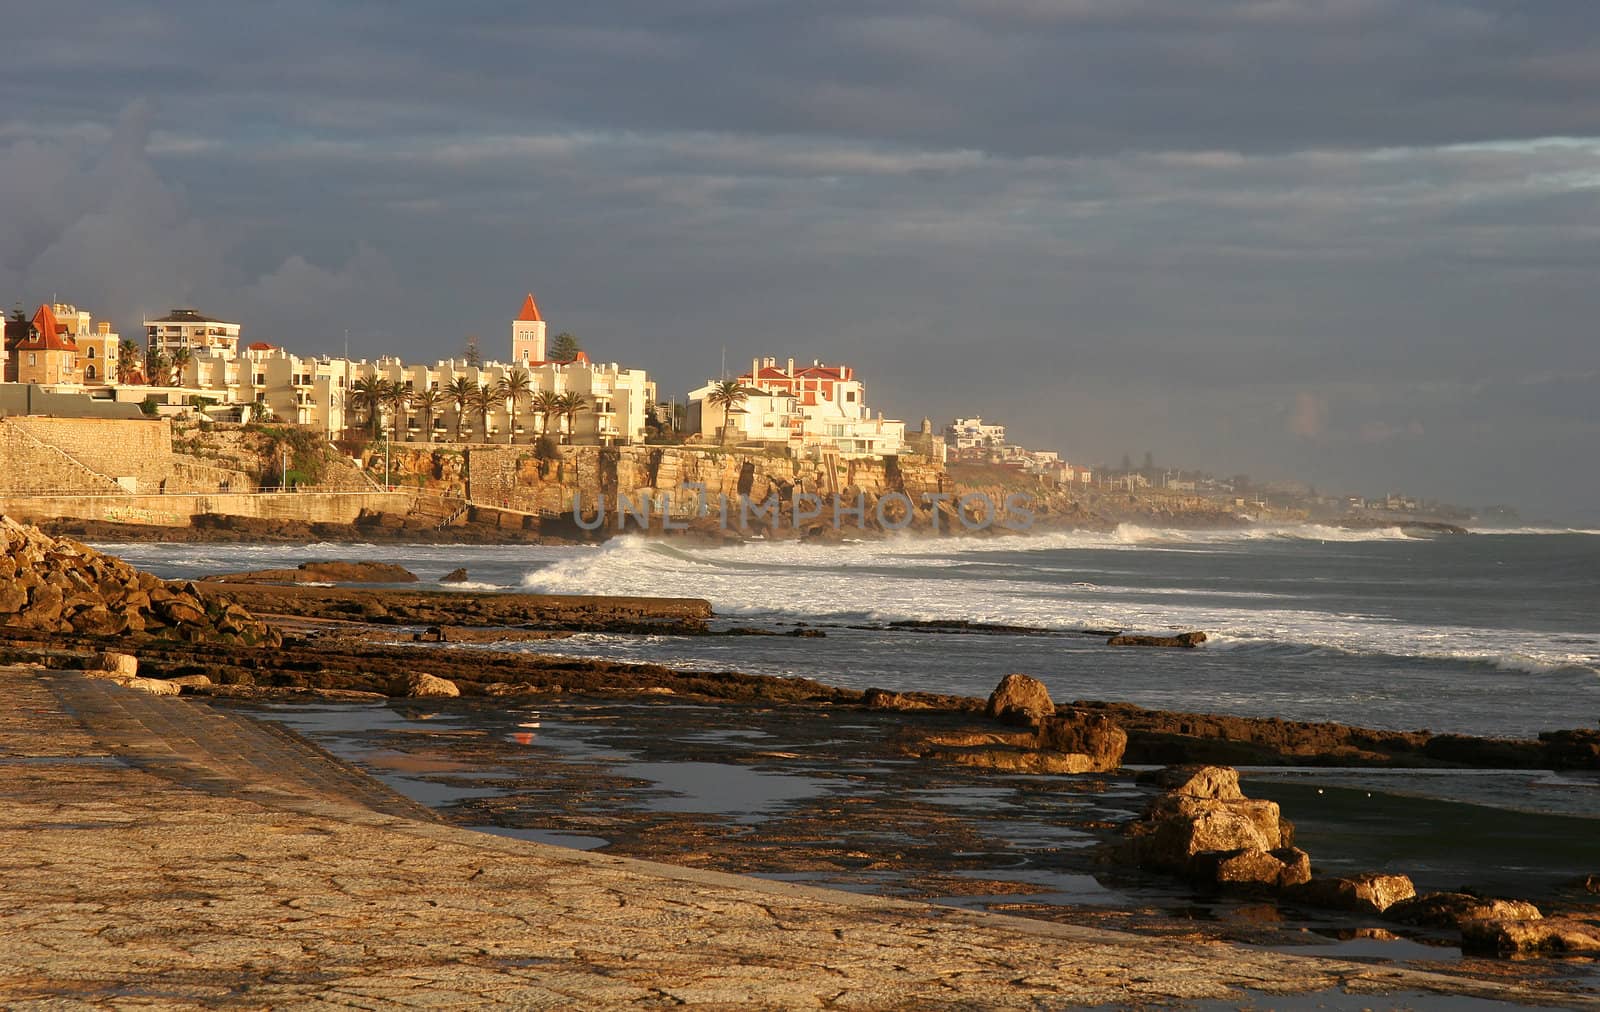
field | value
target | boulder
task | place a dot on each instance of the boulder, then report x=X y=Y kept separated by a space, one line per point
x=13 y=597
x=1082 y=733
x=1450 y=910
x=420 y=685
x=1367 y=893
x=117 y=664
x=1277 y=869
x=1188 y=640
x=1204 y=826
x=1563 y=936
x=191 y=682
x=454 y=576
x=1020 y=699
x=1215 y=783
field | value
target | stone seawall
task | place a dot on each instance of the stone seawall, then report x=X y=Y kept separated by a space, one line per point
x=177 y=510
x=136 y=452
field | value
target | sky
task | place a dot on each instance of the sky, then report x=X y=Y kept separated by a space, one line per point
x=1349 y=242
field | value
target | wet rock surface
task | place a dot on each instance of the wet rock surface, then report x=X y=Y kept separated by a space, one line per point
x=324 y=572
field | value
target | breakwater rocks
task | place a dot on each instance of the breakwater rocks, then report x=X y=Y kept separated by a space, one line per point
x=59 y=586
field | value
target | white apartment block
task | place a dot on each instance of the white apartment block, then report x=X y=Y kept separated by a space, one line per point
x=193 y=331
x=807 y=408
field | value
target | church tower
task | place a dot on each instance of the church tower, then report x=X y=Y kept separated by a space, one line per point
x=527 y=334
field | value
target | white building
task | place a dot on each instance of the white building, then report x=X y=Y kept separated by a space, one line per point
x=810 y=407
x=191 y=330
x=968 y=433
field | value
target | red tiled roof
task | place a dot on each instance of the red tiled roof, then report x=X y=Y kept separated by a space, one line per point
x=530 y=311
x=262 y=346
x=48 y=334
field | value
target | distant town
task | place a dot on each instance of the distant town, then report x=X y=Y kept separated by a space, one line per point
x=550 y=391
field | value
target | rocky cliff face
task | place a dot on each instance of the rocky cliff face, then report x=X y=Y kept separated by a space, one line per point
x=60 y=586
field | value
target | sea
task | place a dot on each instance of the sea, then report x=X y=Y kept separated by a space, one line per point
x=1490 y=633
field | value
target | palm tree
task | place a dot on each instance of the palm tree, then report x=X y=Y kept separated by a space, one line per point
x=127 y=361
x=482 y=401
x=513 y=387
x=368 y=395
x=728 y=395
x=155 y=366
x=547 y=403
x=428 y=401
x=572 y=402
x=460 y=393
x=180 y=359
x=397 y=400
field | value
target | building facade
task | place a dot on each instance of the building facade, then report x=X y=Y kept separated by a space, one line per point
x=192 y=331
x=810 y=407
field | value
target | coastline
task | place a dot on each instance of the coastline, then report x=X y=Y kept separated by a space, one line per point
x=364 y=648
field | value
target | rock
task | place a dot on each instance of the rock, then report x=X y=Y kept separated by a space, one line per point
x=13 y=597
x=190 y=682
x=1277 y=869
x=329 y=571
x=1591 y=883
x=883 y=699
x=1204 y=826
x=122 y=665
x=420 y=685
x=1188 y=640
x=454 y=576
x=1368 y=893
x=1090 y=734
x=70 y=587
x=1450 y=910
x=154 y=686
x=1020 y=699
x=1216 y=783
x=1529 y=936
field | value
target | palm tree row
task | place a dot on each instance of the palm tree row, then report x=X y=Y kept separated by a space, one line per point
x=372 y=395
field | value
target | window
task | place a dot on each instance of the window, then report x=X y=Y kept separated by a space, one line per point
x=89 y=373
x=33 y=359
x=91 y=351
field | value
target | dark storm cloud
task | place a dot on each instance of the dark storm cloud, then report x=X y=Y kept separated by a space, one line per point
x=1277 y=235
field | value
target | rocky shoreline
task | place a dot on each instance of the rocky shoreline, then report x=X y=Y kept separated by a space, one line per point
x=358 y=643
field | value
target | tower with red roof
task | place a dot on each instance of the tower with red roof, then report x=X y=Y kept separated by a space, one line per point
x=527 y=335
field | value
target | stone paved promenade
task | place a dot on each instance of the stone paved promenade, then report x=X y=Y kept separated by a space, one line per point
x=155 y=852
